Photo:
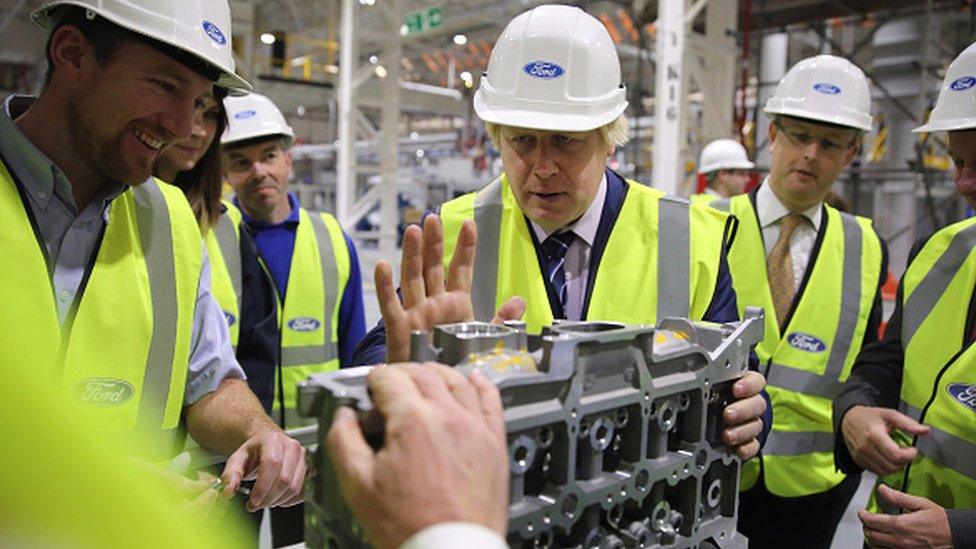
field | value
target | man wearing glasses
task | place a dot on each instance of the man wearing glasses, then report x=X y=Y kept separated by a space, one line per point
x=817 y=272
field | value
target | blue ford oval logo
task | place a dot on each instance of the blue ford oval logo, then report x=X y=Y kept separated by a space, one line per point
x=964 y=393
x=243 y=115
x=828 y=89
x=546 y=70
x=806 y=342
x=963 y=83
x=304 y=324
x=231 y=319
x=214 y=32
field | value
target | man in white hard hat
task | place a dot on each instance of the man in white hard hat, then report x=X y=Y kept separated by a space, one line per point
x=559 y=235
x=110 y=294
x=908 y=411
x=817 y=272
x=312 y=262
x=724 y=166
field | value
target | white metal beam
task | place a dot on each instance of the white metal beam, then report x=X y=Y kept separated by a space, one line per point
x=668 y=96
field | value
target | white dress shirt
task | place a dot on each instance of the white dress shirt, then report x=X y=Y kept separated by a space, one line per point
x=770 y=211
x=577 y=264
x=450 y=535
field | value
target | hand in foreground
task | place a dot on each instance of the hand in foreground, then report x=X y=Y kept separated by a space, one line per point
x=196 y=499
x=427 y=299
x=743 y=417
x=924 y=525
x=277 y=461
x=867 y=434
x=444 y=457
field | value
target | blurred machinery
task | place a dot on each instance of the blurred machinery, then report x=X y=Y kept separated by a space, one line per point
x=614 y=431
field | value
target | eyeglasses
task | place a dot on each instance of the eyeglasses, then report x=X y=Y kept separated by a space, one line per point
x=800 y=138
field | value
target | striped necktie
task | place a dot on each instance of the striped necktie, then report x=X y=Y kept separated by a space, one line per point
x=554 y=253
x=782 y=284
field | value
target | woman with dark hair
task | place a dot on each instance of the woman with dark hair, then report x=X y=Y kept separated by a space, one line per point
x=239 y=283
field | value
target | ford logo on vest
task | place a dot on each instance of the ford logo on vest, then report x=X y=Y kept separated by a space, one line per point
x=214 y=32
x=104 y=391
x=828 y=89
x=304 y=324
x=231 y=319
x=963 y=83
x=806 y=342
x=964 y=394
x=546 y=70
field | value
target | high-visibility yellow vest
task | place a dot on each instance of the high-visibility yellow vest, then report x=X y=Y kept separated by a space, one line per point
x=124 y=348
x=808 y=361
x=319 y=272
x=661 y=259
x=223 y=242
x=939 y=378
x=706 y=198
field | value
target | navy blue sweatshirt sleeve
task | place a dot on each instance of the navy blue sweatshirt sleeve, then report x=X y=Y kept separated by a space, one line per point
x=257 y=346
x=352 y=318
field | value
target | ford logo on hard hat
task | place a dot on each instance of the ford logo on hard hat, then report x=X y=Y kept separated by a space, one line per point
x=963 y=83
x=546 y=70
x=243 y=115
x=214 y=32
x=829 y=89
x=304 y=324
x=806 y=342
x=964 y=393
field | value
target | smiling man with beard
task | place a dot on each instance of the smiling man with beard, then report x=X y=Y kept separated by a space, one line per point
x=106 y=289
x=817 y=272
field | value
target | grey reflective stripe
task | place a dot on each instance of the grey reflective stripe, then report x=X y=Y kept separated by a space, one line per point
x=722 y=204
x=673 y=258
x=786 y=443
x=921 y=302
x=152 y=215
x=850 y=297
x=230 y=249
x=802 y=381
x=330 y=285
x=949 y=451
x=488 y=218
x=308 y=354
x=909 y=410
x=158 y=445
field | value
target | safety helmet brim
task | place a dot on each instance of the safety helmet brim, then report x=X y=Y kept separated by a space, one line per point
x=957 y=124
x=544 y=118
x=741 y=165
x=234 y=84
x=862 y=123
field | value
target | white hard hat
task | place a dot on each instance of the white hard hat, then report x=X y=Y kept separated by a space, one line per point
x=251 y=116
x=553 y=68
x=824 y=88
x=199 y=27
x=956 y=107
x=724 y=154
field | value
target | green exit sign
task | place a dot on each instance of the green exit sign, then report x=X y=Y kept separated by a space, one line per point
x=423 y=20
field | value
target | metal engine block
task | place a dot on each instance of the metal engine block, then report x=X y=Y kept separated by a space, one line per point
x=614 y=431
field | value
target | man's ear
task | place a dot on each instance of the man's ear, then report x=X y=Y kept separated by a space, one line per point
x=72 y=55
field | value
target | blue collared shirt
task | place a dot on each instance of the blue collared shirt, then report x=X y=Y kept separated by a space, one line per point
x=70 y=238
x=276 y=244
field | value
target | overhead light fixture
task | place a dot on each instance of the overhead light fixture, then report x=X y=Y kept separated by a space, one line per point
x=404 y=30
x=380 y=71
x=414 y=135
x=367 y=2
x=300 y=111
x=268 y=38
x=420 y=153
x=374 y=59
x=460 y=39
